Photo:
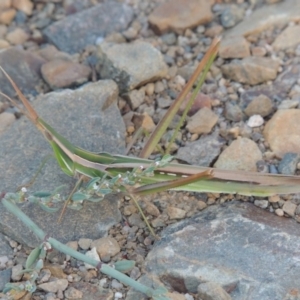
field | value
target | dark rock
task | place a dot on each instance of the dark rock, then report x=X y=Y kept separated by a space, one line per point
x=74 y=33
x=250 y=252
x=5 y=249
x=231 y=16
x=201 y=152
x=22 y=149
x=24 y=67
x=288 y=164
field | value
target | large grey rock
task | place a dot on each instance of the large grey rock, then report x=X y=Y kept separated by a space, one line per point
x=74 y=33
x=79 y=117
x=131 y=65
x=250 y=252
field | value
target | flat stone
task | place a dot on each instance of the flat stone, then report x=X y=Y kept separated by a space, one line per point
x=266 y=17
x=201 y=152
x=5 y=249
x=72 y=35
x=223 y=242
x=251 y=70
x=60 y=73
x=288 y=38
x=241 y=154
x=177 y=15
x=4 y=278
x=261 y=105
x=233 y=112
x=231 y=15
x=136 y=98
x=119 y=62
x=23 y=149
x=24 y=68
x=287 y=104
x=175 y=212
x=234 y=47
x=282 y=132
x=202 y=122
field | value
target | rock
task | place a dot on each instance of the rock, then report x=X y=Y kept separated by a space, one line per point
x=5 y=4
x=226 y=257
x=233 y=112
x=60 y=73
x=203 y=121
x=72 y=35
x=170 y=16
x=212 y=291
x=288 y=164
x=258 y=51
x=17 y=37
x=266 y=17
x=25 y=6
x=92 y=291
x=92 y=254
x=118 y=62
x=213 y=31
x=72 y=293
x=16 y=274
x=106 y=246
x=54 y=286
x=234 y=47
x=251 y=70
x=261 y=105
x=7 y=15
x=289 y=208
x=4 y=44
x=6 y=119
x=288 y=38
x=279 y=212
x=261 y=203
x=201 y=152
x=84 y=243
x=241 y=154
x=231 y=16
x=50 y=52
x=200 y=101
x=55 y=270
x=282 y=132
x=287 y=104
x=255 y=121
x=175 y=213
x=136 y=98
x=23 y=149
x=24 y=68
x=4 y=278
x=5 y=249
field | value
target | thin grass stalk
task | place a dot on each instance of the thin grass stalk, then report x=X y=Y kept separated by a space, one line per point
x=191 y=101
x=168 y=117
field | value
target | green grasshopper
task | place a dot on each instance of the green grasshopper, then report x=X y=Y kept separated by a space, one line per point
x=75 y=161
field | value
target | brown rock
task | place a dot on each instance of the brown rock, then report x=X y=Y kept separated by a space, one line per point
x=6 y=119
x=289 y=208
x=5 y=4
x=241 y=154
x=282 y=132
x=261 y=105
x=17 y=37
x=4 y=44
x=214 y=31
x=251 y=70
x=258 y=51
x=202 y=122
x=175 y=213
x=200 y=101
x=266 y=17
x=50 y=52
x=7 y=15
x=54 y=286
x=106 y=246
x=25 y=6
x=181 y=14
x=234 y=47
x=61 y=73
x=288 y=38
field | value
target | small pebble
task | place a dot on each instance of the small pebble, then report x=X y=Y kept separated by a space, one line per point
x=255 y=121
x=261 y=203
x=279 y=212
